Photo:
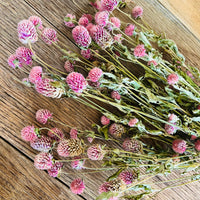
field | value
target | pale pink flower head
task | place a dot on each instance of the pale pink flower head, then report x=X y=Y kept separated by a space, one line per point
x=139 y=51
x=170 y=129
x=137 y=11
x=55 y=170
x=56 y=134
x=90 y=17
x=96 y=4
x=69 y=67
x=49 y=36
x=35 y=74
x=83 y=21
x=43 y=144
x=108 y=5
x=89 y=27
x=116 y=23
x=172 y=118
x=86 y=53
x=78 y=163
x=43 y=115
x=115 y=95
x=118 y=38
x=95 y=152
x=14 y=62
x=193 y=137
x=73 y=133
x=179 y=146
x=24 y=55
x=43 y=161
x=76 y=82
x=36 y=21
x=90 y=139
x=152 y=62
x=113 y=198
x=129 y=30
x=133 y=122
x=172 y=79
x=28 y=133
x=95 y=74
x=132 y=145
x=81 y=36
x=27 y=32
x=70 y=20
x=197 y=145
x=117 y=130
x=127 y=177
x=77 y=186
x=101 y=18
x=105 y=120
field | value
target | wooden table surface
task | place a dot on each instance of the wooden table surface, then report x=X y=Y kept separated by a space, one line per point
x=19 y=180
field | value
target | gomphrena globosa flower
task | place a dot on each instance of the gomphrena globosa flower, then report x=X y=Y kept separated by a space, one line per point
x=172 y=79
x=43 y=115
x=35 y=74
x=128 y=177
x=133 y=122
x=197 y=145
x=179 y=146
x=14 y=62
x=95 y=74
x=129 y=30
x=69 y=67
x=28 y=133
x=137 y=11
x=77 y=186
x=73 y=133
x=36 y=21
x=49 y=36
x=139 y=51
x=114 y=23
x=83 y=21
x=24 y=55
x=101 y=18
x=56 y=134
x=105 y=120
x=108 y=5
x=86 y=53
x=43 y=161
x=27 y=32
x=42 y=144
x=55 y=170
x=132 y=145
x=70 y=148
x=117 y=130
x=70 y=20
x=95 y=152
x=77 y=163
x=115 y=95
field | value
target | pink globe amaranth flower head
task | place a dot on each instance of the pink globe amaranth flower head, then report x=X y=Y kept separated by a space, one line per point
x=113 y=198
x=28 y=133
x=127 y=177
x=55 y=170
x=89 y=27
x=172 y=79
x=101 y=18
x=14 y=62
x=172 y=118
x=115 y=95
x=76 y=82
x=56 y=134
x=83 y=21
x=95 y=74
x=137 y=11
x=197 y=145
x=43 y=161
x=108 y=5
x=104 y=187
x=129 y=30
x=81 y=36
x=77 y=186
x=152 y=62
x=24 y=55
x=115 y=22
x=73 y=133
x=86 y=53
x=70 y=20
x=35 y=74
x=43 y=144
x=27 y=32
x=139 y=51
x=118 y=38
x=36 y=21
x=90 y=139
x=133 y=122
x=95 y=152
x=77 y=163
x=117 y=130
x=49 y=36
x=43 y=115
x=193 y=137
x=69 y=67
x=179 y=146
x=90 y=17
x=105 y=120
x=170 y=129
x=132 y=145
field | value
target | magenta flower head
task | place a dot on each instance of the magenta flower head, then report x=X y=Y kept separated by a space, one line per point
x=76 y=82
x=90 y=17
x=108 y=5
x=197 y=145
x=43 y=161
x=193 y=137
x=28 y=133
x=69 y=66
x=43 y=115
x=139 y=51
x=179 y=146
x=170 y=129
x=152 y=62
x=42 y=144
x=49 y=36
x=14 y=62
x=95 y=152
x=37 y=22
x=83 y=21
x=128 y=177
x=35 y=74
x=77 y=186
x=172 y=79
x=137 y=12
x=117 y=130
x=105 y=120
x=115 y=22
x=55 y=170
x=70 y=20
x=104 y=187
x=101 y=18
x=24 y=55
x=86 y=53
x=95 y=74
x=129 y=30
x=115 y=95
x=81 y=36
x=133 y=122
x=27 y=32
x=73 y=133
x=78 y=163
x=132 y=145
x=56 y=134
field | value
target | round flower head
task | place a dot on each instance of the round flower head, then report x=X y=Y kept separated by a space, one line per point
x=179 y=146
x=35 y=74
x=49 y=36
x=27 y=32
x=193 y=137
x=105 y=120
x=83 y=21
x=152 y=62
x=108 y=5
x=24 y=55
x=86 y=53
x=54 y=171
x=172 y=79
x=77 y=186
x=42 y=144
x=95 y=152
x=129 y=30
x=117 y=130
x=70 y=148
x=88 y=16
x=133 y=122
x=101 y=18
x=36 y=21
x=115 y=95
x=132 y=145
x=115 y=22
x=197 y=145
x=137 y=11
x=43 y=115
x=104 y=187
x=78 y=163
x=73 y=133
x=90 y=139
x=172 y=118
x=56 y=134
x=139 y=51
x=128 y=177
x=89 y=27
x=114 y=185
x=69 y=66
x=28 y=133
x=43 y=161
x=14 y=62
x=95 y=74
x=69 y=20
x=81 y=36
x=170 y=129
x=76 y=82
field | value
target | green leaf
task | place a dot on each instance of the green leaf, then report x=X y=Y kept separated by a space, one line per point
x=115 y=175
